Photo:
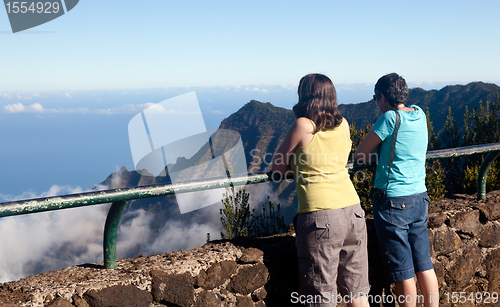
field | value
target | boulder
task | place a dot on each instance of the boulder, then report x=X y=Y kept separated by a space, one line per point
x=175 y=289
x=199 y=280
x=490 y=235
x=467 y=222
x=260 y=304
x=490 y=210
x=207 y=299
x=79 y=302
x=244 y=301
x=464 y=268
x=252 y=255
x=259 y=294
x=249 y=279
x=118 y=296
x=218 y=273
x=445 y=241
x=492 y=267
x=436 y=220
x=60 y=302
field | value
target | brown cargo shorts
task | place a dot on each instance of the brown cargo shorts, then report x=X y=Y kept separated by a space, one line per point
x=331 y=251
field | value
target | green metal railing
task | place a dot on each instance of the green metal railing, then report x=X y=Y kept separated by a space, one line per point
x=119 y=197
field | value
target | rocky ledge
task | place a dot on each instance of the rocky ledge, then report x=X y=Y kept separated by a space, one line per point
x=217 y=274
x=465 y=248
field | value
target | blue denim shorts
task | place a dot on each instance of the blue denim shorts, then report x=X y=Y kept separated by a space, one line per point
x=401 y=226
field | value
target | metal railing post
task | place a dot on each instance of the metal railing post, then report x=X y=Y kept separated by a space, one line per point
x=483 y=174
x=110 y=231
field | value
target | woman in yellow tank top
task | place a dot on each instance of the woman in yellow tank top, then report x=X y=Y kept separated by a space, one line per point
x=330 y=224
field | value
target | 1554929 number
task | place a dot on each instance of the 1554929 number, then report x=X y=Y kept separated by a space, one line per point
x=38 y=8
x=473 y=297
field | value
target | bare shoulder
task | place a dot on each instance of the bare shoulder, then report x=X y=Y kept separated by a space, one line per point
x=304 y=124
x=346 y=123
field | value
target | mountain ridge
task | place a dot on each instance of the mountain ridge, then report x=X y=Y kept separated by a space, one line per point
x=438 y=101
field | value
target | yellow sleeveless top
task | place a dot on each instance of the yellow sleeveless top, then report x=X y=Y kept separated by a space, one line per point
x=319 y=170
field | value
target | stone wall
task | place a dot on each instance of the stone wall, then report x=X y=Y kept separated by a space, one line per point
x=217 y=274
x=465 y=245
x=464 y=237
x=465 y=249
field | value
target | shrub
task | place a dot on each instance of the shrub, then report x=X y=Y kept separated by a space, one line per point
x=269 y=222
x=235 y=213
x=469 y=180
x=434 y=179
x=238 y=221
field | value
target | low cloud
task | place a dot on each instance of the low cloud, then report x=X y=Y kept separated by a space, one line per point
x=257 y=89
x=53 y=191
x=125 y=109
x=23 y=100
x=38 y=108
x=35 y=95
x=178 y=235
x=20 y=108
x=47 y=241
x=42 y=242
x=354 y=87
x=209 y=109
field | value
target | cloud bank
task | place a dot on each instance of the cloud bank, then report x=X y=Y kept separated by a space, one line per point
x=42 y=242
x=38 y=108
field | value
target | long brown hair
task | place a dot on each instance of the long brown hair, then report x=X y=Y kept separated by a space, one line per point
x=318 y=101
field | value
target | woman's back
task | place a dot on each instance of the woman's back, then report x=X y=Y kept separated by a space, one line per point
x=407 y=175
x=322 y=180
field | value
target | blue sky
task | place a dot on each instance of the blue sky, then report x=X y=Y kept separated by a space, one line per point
x=132 y=44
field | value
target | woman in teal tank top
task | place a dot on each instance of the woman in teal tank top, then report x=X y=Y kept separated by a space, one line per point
x=401 y=203
x=330 y=226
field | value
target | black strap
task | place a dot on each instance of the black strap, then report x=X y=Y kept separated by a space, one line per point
x=394 y=136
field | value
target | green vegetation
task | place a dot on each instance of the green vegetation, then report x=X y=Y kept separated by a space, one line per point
x=434 y=171
x=235 y=213
x=362 y=179
x=269 y=222
x=482 y=126
x=434 y=142
x=450 y=136
x=238 y=221
x=435 y=176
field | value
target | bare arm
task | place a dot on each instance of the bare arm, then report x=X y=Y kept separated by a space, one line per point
x=300 y=134
x=366 y=147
